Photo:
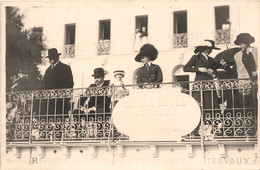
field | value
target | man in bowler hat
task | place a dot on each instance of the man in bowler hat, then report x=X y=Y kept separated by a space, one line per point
x=57 y=76
x=100 y=103
x=150 y=73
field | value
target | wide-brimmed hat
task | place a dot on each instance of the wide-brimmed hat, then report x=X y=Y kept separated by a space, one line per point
x=119 y=72
x=204 y=45
x=147 y=50
x=244 y=38
x=99 y=72
x=53 y=52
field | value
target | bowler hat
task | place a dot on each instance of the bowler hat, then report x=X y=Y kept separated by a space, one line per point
x=147 y=50
x=204 y=45
x=53 y=52
x=98 y=72
x=244 y=38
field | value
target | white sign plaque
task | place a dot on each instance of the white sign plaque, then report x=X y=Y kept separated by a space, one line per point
x=156 y=115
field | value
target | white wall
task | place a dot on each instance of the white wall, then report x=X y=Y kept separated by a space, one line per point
x=86 y=15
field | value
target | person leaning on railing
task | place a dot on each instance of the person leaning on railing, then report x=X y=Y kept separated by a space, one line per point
x=244 y=67
x=150 y=74
x=205 y=68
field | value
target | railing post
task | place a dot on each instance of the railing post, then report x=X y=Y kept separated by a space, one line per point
x=112 y=108
x=31 y=118
x=202 y=122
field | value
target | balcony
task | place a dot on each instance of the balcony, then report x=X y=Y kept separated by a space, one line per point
x=180 y=40
x=104 y=47
x=69 y=51
x=223 y=36
x=63 y=115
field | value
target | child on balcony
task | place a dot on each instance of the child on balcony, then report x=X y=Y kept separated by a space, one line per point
x=120 y=90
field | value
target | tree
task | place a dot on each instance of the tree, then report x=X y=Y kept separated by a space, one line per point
x=23 y=53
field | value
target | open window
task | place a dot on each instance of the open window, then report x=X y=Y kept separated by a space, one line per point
x=104 y=30
x=180 y=22
x=141 y=23
x=37 y=32
x=221 y=16
x=180 y=38
x=104 y=37
x=222 y=25
x=141 y=31
x=70 y=35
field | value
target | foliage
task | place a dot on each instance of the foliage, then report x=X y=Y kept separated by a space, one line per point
x=23 y=53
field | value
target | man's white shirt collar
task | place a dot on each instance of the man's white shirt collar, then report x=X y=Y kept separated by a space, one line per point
x=54 y=64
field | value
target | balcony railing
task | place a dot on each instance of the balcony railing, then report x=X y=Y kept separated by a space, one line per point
x=180 y=40
x=69 y=51
x=73 y=115
x=104 y=47
x=223 y=36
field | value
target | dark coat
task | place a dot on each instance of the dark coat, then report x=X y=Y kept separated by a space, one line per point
x=100 y=101
x=197 y=61
x=59 y=77
x=154 y=75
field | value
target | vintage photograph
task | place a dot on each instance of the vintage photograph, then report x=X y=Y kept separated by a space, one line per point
x=130 y=85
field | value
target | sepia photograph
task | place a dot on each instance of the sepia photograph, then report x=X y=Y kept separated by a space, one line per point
x=129 y=85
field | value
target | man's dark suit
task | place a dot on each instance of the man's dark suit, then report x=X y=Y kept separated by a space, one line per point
x=151 y=75
x=58 y=77
x=101 y=101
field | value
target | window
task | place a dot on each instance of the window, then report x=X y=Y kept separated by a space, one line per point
x=180 y=37
x=180 y=22
x=222 y=25
x=69 y=48
x=104 y=30
x=70 y=34
x=104 y=43
x=37 y=30
x=221 y=16
x=141 y=22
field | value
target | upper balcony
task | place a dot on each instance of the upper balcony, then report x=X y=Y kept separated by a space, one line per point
x=180 y=40
x=104 y=47
x=84 y=115
x=69 y=51
x=223 y=36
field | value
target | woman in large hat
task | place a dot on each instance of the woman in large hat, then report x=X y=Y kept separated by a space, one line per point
x=244 y=61
x=150 y=73
x=244 y=68
x=205 y=68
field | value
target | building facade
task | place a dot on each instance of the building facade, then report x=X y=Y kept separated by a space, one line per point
x=89 y=35
x=103 y=34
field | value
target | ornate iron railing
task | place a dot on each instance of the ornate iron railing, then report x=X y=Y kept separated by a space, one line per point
x=229 y=111
x=180 y=40
x=69 y=51
x=223 y=36
x=104 y=47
